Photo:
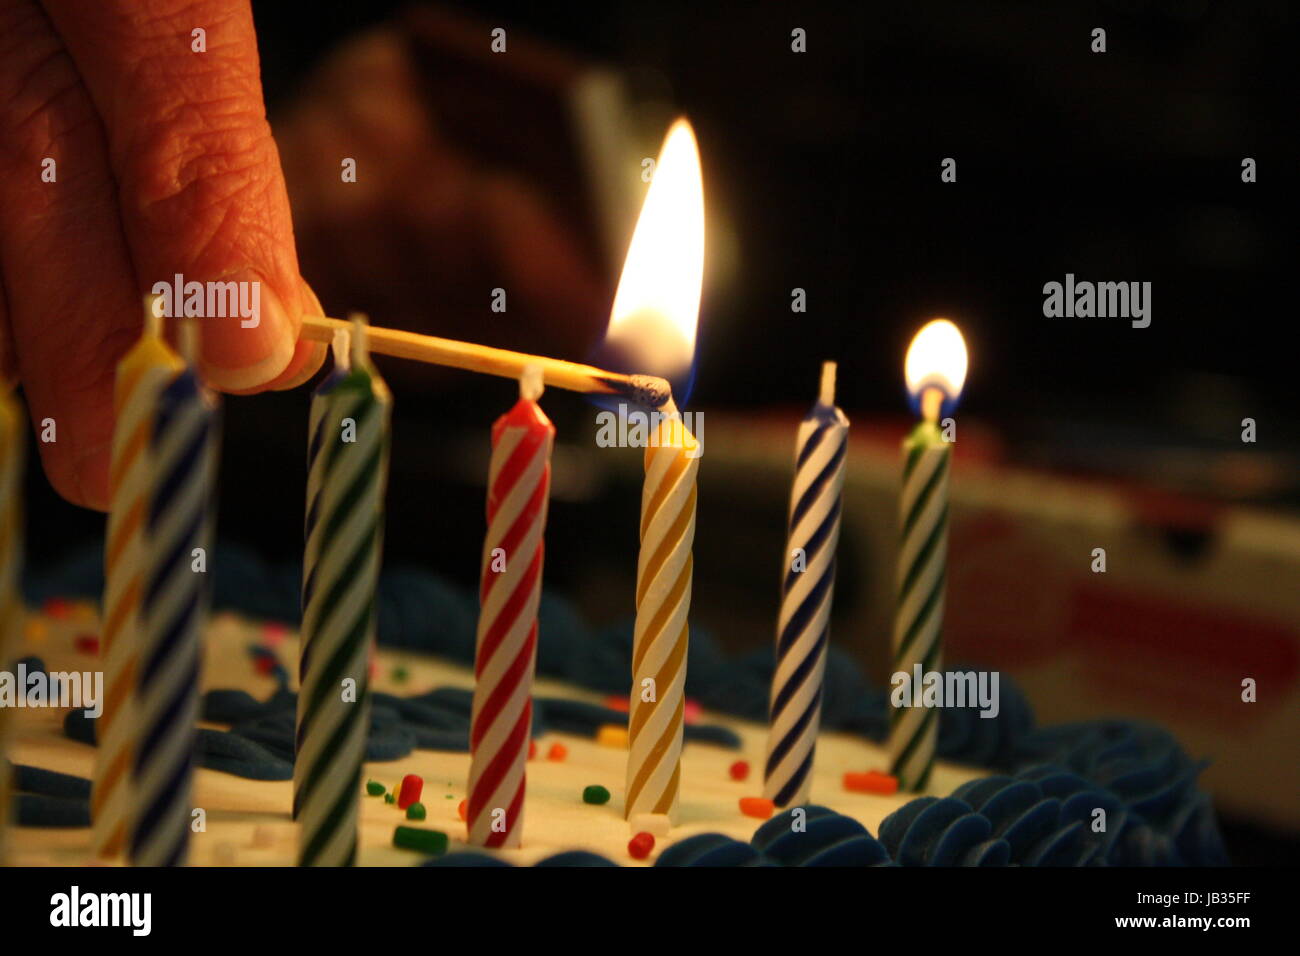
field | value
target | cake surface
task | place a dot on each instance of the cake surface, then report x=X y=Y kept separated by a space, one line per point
x=247 y=821
x=1004 y=791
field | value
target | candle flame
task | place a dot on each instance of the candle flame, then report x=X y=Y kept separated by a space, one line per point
x=657 y=306
x=936 y=359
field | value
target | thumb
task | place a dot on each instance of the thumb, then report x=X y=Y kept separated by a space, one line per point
x=201 y=194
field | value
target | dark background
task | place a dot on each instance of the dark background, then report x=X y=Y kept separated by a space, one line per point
x=1117 y=166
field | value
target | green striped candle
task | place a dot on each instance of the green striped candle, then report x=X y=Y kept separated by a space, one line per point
x=347 y=472
x=935 y=371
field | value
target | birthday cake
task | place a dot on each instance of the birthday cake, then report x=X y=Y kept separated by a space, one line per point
x=1004 y=792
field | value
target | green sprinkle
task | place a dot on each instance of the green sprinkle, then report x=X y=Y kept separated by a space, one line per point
x=374 y=788
x=426 y=841
x=415 y=811
x=389 y=798
x=451 y=796
x=595 y=794
x=400 y=673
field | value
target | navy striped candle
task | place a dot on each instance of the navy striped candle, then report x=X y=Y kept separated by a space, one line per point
x=803 y=629
x=173 y=615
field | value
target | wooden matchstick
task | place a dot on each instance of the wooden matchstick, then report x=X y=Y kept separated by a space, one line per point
x=646 y=390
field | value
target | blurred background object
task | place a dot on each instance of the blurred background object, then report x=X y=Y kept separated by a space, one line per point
x=522 y=171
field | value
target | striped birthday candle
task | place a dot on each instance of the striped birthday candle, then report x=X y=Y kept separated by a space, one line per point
x=935 y=371
x=173 y=613
x=13 y=436
x=803 y=628
x=141 y=376
x=519 y=481
x=663 y=603
x=347 y=465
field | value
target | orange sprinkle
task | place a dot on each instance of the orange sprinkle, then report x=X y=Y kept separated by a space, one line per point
x=461 y=809
x=612 y=735
x=532 y=749
x=873 y=781
x=616 y=702
x=557 y=752
x=759 y=807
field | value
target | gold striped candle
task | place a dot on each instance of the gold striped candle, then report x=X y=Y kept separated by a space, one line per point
x=12 y=446
x=141 y=376
x=663 y=602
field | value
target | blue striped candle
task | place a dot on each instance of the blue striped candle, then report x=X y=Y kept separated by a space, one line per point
x=803 y=629
x=173 y=615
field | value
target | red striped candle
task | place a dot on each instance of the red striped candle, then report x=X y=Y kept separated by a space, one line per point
x=519 y=480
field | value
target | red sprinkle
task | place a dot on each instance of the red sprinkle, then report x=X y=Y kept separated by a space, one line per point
x=617 y=702
x=412 y=787
x=641 y=845
x=532 y=749
x=264 y=663
x=88 y=643
x=57 y=607
x=739 y=770
x=274 y=632
x=873 y=781
x=461 y=809
x=691 y=710
x=759 y=807
x=557 y=752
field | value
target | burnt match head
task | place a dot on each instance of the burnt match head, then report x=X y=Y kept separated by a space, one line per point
x=648 y=391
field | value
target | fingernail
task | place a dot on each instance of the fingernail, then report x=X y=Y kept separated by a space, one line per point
x=246 y=350
x=309 y=356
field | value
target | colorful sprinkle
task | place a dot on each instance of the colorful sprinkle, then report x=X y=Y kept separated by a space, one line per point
x=617 y=702
x=759 y=807
x=274 y=632
x=415 y=811
x=739 y=770
x=873 y=781
x=264 y=664
x=57 y=607
x=36 y=629
x=639 y=846
x=461 y=809
x=400 y=673
x=412 y=787
x=389 y=798
x=415 y=838
x=595 y=794
x=557 y=752
x=532 y=749
x=691 y=711
x=87 y=643
x=612 y=735
x=374 y=788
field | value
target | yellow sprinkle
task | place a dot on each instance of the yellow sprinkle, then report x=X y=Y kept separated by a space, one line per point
x=612 y=735
x=36 y=630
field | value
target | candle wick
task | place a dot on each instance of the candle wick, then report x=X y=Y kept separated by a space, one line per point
x=931 y=403
x=153 y=315
x=360 y=338
x=189 y=341
x=341 y=347
x=531 y=382
x=828 y=383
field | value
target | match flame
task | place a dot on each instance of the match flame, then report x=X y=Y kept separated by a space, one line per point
x=936 y=359
x=657 y=306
